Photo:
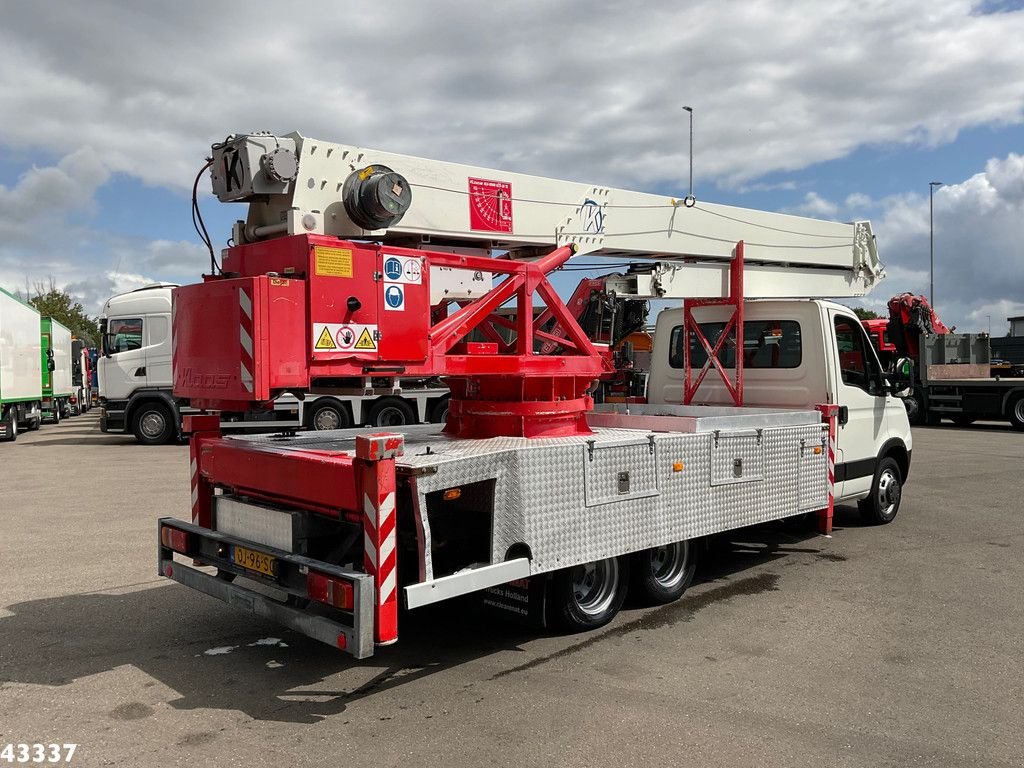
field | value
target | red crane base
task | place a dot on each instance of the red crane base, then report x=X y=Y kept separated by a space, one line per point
x=514 y=406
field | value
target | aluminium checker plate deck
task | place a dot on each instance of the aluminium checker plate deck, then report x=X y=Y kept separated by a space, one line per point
x=577 y=499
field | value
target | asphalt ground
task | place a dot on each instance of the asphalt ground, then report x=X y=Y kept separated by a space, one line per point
x=881 y=646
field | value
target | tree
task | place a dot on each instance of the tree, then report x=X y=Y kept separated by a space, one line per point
x=865 y=314
x=55 y=303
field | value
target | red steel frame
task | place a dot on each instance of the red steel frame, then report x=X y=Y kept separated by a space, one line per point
x=734 y=325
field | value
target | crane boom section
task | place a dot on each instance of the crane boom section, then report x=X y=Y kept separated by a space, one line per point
x=299 y=185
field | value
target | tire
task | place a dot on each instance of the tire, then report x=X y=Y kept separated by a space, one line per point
x=439 y=413
x=1016 y=413
x=661 y=575
x=882 y=505
x=56 y=414
x=151 y=424
x=391 y=412
x=329 y=415
x=588 y=596
x=12 y=424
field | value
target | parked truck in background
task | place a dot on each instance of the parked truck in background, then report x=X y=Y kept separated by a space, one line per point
x=56 y=360
x=135 y=383
x=21 y=358
x=952 y=372
x=94 y=382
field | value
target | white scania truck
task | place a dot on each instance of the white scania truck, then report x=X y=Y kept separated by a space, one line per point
x=135 y=383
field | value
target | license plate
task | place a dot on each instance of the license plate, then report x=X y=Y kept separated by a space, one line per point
x=252 y=560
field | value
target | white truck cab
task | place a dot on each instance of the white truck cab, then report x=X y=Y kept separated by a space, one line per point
x=799 y=354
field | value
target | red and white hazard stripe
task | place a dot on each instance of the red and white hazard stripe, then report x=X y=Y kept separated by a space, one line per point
x=245 y=338
x=830 y=415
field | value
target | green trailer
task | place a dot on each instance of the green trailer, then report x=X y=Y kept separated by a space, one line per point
x=55 y=359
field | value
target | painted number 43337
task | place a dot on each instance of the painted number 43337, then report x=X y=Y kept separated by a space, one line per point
x=37 y=753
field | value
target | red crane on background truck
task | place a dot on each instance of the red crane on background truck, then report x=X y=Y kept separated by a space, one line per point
x=549 y=505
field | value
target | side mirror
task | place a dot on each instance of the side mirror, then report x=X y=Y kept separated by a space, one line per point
x=50 y=365
x=902 y=377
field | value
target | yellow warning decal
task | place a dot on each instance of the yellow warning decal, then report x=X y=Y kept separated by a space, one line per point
x=325 y=341
x=332 y=262
x=366 y=340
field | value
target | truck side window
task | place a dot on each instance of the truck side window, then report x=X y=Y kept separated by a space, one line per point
x=766 y=344
x=123 y=335
x=855 y=364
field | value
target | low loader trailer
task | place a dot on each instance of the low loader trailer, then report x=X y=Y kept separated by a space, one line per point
x=549 y=506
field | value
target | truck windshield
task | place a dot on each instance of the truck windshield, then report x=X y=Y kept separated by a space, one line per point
x=123 y=334
x=766 y=344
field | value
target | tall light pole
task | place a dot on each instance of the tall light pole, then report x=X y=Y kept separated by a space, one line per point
x=931 y=240
x=690 y=200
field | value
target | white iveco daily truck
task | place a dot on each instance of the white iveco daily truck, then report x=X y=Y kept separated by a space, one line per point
x=557 y=506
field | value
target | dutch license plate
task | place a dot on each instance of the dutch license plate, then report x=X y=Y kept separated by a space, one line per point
x=254 y=561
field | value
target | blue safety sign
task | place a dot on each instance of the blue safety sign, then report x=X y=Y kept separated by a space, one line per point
x=392 y=268
x=394 y=297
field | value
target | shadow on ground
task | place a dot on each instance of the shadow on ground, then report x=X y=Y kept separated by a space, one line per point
x=166 y=631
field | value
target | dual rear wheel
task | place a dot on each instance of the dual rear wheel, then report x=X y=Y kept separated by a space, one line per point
x=588 y=596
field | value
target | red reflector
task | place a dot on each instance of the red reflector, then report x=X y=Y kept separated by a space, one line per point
x=174 y=539
x=342 y=642
x=329 y=591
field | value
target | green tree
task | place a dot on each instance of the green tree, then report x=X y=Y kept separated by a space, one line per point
x=55 y=303
x=865 y=314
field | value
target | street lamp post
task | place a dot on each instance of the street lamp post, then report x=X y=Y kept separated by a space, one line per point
x=690 y=199
x=931 y=240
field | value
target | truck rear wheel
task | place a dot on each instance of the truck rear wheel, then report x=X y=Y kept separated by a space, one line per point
x=391 y=412
x=1016 y=410
x=661 y=575
x=329 y=415
x=151 y=424
x=886 y=492
x=588 y=596
x=12 y=423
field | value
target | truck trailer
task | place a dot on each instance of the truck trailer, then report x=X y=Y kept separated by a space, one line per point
x=136 y=388
x=21 y=383
x=56 y=360
x=529 y=495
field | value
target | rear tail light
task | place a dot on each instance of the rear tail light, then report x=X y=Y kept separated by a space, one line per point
x=329 y=590
x=174 y=539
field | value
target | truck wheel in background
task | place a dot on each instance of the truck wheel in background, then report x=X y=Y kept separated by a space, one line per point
x=661 y=575
x=391 y=412
x=1016 y=410
x=886 y=491
x=439 y=413
x=12 y=424
x=329 y=415
x=588 y=596
x=151 y=424
x=56 y=413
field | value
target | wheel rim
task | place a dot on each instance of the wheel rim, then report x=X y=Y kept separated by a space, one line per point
x=390 y=416
x=669 y=564
x=1018 y=411
x=152 y=424
x=594 y=586
x=327 y=418
x=888 y=493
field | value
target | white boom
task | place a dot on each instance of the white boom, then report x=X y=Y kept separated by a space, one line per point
x=295 y=184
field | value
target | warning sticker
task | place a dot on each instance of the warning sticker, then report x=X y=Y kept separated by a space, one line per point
x=325 y=341
x=332 y=262
x=366 y=342
x=340 y=337
x=394 y=297
x=403 y=269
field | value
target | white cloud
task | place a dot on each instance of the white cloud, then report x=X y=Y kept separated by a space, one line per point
x=979 y=261
x=572 y=89
x=815 y=206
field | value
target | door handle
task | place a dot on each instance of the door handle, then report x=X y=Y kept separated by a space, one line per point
x=140 y=371
x=844 y=415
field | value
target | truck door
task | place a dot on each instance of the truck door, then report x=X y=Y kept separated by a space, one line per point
x=124 y=343
x=859 y=391
x=158 y=351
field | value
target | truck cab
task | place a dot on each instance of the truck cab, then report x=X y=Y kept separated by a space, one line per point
x=799 y=354
x=134 y=365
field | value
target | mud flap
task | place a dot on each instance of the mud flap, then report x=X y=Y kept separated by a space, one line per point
x=522 y=601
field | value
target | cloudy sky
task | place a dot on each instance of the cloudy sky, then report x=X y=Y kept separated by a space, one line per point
x=833 y=109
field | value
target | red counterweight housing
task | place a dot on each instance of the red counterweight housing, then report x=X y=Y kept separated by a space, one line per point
x=307 y=312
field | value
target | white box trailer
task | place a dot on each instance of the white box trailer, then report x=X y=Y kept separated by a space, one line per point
x=20 y=366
